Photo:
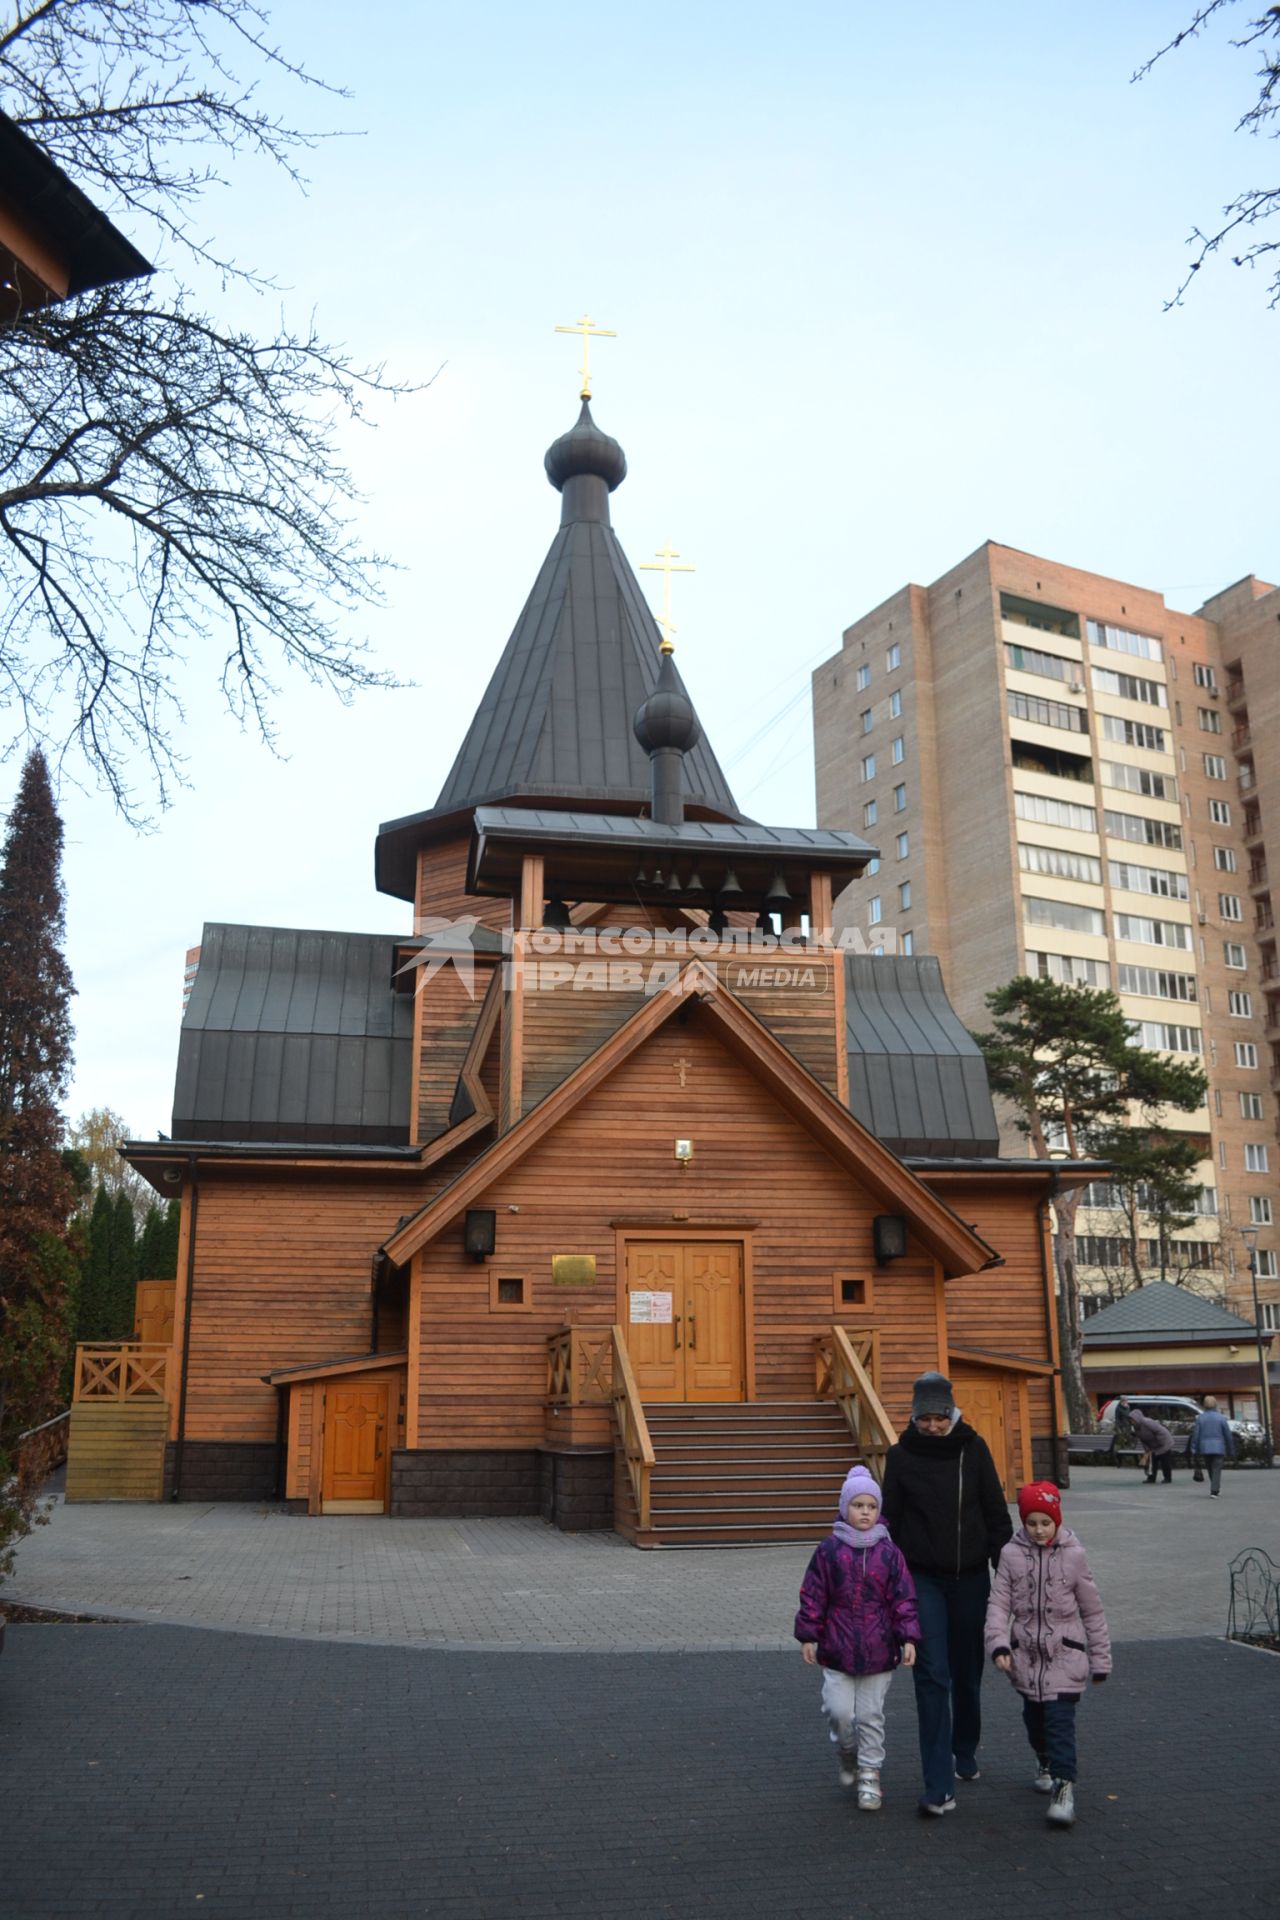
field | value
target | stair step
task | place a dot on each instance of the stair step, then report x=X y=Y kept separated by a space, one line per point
x=700 y=1534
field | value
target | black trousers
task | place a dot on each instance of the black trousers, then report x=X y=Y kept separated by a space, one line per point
x=1051 y=1729
x=1161 y=1463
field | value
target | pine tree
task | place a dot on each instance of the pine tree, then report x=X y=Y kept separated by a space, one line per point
x=158 y=1247
x=124 y=1267
x=1065 y=1059
x=37 y=1189
x=94 y=1317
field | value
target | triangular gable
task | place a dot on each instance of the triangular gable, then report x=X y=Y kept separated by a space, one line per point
x=952 y=1243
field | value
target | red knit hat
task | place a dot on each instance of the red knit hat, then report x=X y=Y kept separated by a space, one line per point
x=1040 y=1496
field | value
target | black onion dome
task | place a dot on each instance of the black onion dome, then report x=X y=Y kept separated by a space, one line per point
x=667 y=718
x=584 y=449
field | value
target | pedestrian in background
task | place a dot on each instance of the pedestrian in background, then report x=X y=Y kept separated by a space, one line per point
x=857 y=1620
x=1156 y=1440
x=945 y=1507
x=1046 y=1629
x=1213 y=1442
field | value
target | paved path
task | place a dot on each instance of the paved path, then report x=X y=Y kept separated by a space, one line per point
x=1160 y=1555
x=153 y=1772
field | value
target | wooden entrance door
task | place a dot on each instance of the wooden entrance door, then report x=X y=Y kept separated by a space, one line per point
x=684 y=1319
x=981 y=1399
x=354 y=1477
x=153 y=1312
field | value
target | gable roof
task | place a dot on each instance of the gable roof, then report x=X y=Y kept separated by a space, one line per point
x=917 y=1079
x=955 y=1245
x=294 y=1035
x=1171 y=1314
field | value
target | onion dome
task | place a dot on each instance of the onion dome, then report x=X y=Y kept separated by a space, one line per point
x=585 y=450
x=667 y=719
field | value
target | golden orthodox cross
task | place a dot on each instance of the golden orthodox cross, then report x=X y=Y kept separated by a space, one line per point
x=662 y=563
x=680 y=1066
x=589 y=333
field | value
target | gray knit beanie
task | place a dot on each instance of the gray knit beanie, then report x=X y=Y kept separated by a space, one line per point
x=931 y=1394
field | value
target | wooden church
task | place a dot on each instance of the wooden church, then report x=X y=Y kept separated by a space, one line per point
x=615 y=1191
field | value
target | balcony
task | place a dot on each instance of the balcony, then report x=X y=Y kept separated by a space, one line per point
x=1258 y=873
x=1235 y=693
x=1242 y=739
x=1252 y=824
x=1246 y=780
x=1264 y=921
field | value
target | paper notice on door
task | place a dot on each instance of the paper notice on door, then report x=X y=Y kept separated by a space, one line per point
x=648 y=1309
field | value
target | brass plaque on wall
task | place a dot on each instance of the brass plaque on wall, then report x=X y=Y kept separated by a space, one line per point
x=573 y=1269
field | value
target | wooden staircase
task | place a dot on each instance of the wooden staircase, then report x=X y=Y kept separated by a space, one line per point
x=744 y=1474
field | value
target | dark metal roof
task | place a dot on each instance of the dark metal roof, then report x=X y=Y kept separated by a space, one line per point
x=1172 y=1314
x=916 y=1076
x=555 y=721
x=294 y=1035
x=83 y=240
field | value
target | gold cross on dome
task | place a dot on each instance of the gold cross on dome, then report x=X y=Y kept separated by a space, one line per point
x=589 y=333
x=663 y=563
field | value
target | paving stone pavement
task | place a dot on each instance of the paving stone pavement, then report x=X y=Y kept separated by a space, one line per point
x=1159 y=1553
x=157 y=1771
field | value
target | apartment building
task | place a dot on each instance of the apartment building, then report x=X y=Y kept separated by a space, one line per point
x=1065 y=777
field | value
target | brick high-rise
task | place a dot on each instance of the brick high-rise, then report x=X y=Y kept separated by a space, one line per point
x=1067 y=777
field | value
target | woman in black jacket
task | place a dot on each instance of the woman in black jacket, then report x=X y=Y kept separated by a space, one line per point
x=945 y=1509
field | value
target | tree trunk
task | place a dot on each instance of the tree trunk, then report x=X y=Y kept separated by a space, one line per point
x=1080 y=1418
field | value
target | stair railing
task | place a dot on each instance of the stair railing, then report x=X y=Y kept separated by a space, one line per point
x=121 y=1370
x=841 y=1375
x=633 y=1428
x=578 y=1367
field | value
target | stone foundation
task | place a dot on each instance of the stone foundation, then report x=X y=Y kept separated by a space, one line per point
x=1049 y=1458
x=431 y=1485
x=224 y=1469
x=577 y=1490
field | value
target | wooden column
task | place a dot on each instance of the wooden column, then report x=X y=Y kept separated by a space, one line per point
x=532 y=892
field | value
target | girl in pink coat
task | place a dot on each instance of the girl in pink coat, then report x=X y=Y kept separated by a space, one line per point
x=1046 y=1630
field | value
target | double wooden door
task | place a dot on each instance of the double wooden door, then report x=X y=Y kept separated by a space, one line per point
x=685 y=1319
x=355 y=1448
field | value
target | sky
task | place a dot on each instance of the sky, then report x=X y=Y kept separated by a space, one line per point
x=886 y=282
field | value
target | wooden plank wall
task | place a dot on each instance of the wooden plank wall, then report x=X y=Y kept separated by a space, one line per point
x=282 y=1278
x=1004 y=1308
x=482 y=1374
x=447 y=1020
x=117 y=1451
x=441 y=888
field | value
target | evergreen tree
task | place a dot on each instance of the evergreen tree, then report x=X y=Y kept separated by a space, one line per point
x=1065 y=1059
x=124 y=1266
x=95 y=1316
x=37 y=1188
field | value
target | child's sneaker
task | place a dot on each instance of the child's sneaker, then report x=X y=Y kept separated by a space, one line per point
x=1043 y=1782
x=1062 y=1807
x=848 y=1763
x=870 y=1798
x=936 y=1808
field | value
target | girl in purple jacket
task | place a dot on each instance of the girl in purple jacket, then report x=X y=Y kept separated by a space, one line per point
x=1047 y=1631
x=857 y=1620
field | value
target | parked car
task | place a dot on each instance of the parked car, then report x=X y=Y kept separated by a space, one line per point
x=1176 y=1411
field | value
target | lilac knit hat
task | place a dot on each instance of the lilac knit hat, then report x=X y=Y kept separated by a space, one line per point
x=857 y=1480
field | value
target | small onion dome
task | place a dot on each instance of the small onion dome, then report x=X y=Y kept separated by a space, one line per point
x=667 y=718
x=584 y=449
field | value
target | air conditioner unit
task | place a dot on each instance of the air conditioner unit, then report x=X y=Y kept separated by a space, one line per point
x=1214 y=694
x=1202 y=919
x=1076 y=686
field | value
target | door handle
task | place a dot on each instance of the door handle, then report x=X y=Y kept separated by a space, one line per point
x=675 y=1330
x=378 y=1449
x=693 y=1331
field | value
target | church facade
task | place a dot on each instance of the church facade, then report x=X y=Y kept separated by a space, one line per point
x=615 y=1190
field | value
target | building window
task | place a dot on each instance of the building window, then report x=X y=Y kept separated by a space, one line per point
x=875 y=911
x=1251 y=1106
x=904 y=894
x=1270 y=1311
x=1067 y=866
x=1119 y=640
x=864 y=677
x=897 y=750
x=1070 y=968
x=895 y=703
x=508 y=1294
x=868 y=766
x=1155 y=983
x=1055 y=813
x=900 y=799
x=1143 y=831
x=873 y=866
x=1041 y=912
x=903 y=844
x=1215 y=767
x=1155 y=786
x=1128 y=686
x=1204 y=677
x=1152 y=933
x=868 y=813
x=1132 y=733
x=866 y=719
x=1165 y=1037
x=1259 y=1210
x=1209 y=719
x=1264 y=1261
x=1256 y=1157
x=1230 y=907
x=1224 y=859
x=1046 y=713
x=893 y=658
x=1234 y=955
x=1246 y=1053
x=1051 y=666
x=1161 y=880
x=1220 y=812
x=1240 y=1005
x=908 y=943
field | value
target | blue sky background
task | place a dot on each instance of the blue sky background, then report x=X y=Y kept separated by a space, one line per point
x=887 y=283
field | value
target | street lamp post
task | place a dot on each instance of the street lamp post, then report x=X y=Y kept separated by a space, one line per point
x=1250 y=1237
